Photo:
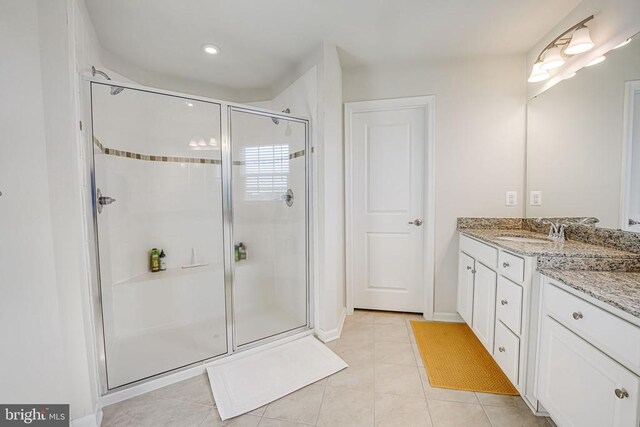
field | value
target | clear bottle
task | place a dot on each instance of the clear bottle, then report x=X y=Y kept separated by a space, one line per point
x=163 y=260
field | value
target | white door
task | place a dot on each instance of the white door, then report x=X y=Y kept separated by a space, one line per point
x=582 y=387
x=484 y=305
x=387 y=208
x=466 y=272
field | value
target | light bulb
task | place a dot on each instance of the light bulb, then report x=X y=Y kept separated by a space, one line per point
x=202 y=142
x=193 y=143
x=213 y=142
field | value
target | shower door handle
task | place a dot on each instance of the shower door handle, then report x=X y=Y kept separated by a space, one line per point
x=103 y=200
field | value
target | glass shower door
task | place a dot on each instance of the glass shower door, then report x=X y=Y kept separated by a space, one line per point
x=269 y=194
x=158 y=185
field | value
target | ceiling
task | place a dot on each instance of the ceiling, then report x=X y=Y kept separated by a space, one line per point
x=261 y=40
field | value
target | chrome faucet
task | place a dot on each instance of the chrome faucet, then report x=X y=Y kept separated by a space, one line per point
x=589 y=221
x=556 y=229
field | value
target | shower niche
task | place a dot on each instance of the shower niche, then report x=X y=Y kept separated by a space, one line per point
x=195 y=178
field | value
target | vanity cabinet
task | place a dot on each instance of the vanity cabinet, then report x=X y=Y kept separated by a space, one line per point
x=588 y=372
x=484 y=305
x=466 y=273
x=496 y=300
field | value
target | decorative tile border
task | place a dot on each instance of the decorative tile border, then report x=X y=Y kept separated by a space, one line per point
x=150 y=158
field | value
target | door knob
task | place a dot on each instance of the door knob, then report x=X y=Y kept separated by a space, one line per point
x=621 y=393
x=416 y=222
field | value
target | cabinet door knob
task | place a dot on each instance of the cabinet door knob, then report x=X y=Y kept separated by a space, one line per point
x=577 y=315
x=473 y=271
x=505 y=265
x=621 y=393
x=501 y=349
x=469 y=267
x=504 y=302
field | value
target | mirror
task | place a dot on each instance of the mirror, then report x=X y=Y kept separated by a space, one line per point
x=583 y=144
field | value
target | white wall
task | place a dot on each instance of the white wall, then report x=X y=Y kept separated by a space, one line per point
x=41 y=274
x=480 y=152
x=614 y=22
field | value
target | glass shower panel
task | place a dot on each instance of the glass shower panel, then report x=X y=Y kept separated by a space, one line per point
x=270 y=289
x=158 y=184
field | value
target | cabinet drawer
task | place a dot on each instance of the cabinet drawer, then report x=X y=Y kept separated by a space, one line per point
x=506 y=351
x=614 y=336
x=511 y=266
x=509 y=304
x=486 y=254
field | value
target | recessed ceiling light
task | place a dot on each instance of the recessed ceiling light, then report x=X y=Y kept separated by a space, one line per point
x=624 y=43
x=597 y=61
x=210 y=49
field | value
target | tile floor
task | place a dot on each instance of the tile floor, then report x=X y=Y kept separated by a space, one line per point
x=384 y=385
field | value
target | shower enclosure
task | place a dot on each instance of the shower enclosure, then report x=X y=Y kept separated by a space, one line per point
x=222 y=192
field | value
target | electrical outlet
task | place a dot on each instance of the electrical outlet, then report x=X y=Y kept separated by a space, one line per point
x=535 y=198
x=511 y=198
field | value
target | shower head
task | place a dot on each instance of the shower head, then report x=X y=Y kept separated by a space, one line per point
x=276 y=120
x=114 y=89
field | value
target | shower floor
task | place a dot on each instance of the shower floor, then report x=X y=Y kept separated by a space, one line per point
x=136 y=357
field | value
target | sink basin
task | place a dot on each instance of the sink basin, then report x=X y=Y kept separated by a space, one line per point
x=523 y=239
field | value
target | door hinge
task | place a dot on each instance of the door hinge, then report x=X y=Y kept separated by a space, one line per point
x=80 y=124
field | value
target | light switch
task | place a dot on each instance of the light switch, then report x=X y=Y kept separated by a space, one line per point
x=535 y=198
x=511 y=198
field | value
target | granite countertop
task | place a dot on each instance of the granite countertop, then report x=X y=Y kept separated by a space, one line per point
x=619 y=289
x=568 y=248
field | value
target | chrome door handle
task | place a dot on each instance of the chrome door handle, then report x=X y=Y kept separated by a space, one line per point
x=501 y=349
x=577 y=315
x=469 y=267
x=505 y=265
x=103 y=200
x=621 y=393
x=416 y=222
x=504 y=302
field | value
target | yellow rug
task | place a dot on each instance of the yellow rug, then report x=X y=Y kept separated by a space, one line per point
x=454 y=358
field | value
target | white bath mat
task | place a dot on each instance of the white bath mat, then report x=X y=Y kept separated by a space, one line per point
x=247 y=383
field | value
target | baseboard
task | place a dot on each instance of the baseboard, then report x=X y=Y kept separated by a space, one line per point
x=92 y=420
x=333 y=334
x=447 y=317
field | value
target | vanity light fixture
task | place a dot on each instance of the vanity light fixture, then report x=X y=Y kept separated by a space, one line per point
x=210 y=49
x=538 y=74
x=596 y=61
x=580 y=42
x=575 y=40
x=552 y=59
x=624 y=43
